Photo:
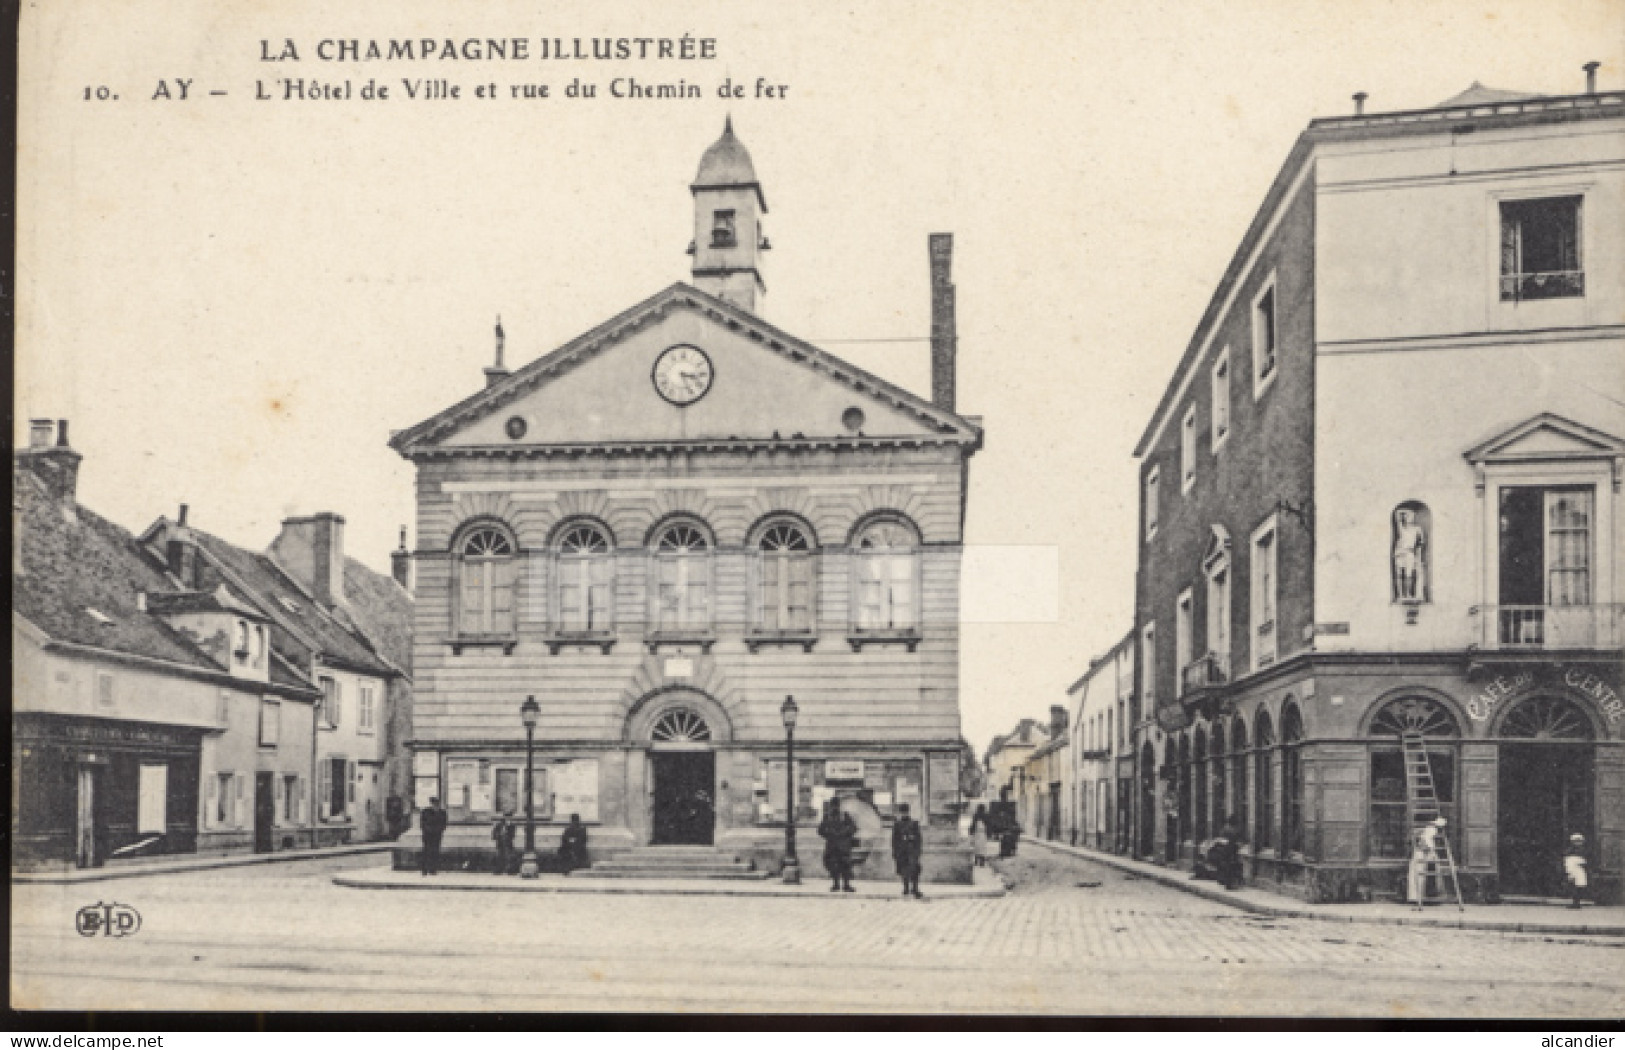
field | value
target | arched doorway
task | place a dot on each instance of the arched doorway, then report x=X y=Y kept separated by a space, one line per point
x=1547 y=779
x=683 y=768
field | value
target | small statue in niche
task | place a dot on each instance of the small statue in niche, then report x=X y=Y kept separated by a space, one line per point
x=1410 y=554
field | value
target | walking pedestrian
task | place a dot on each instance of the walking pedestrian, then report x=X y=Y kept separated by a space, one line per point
x=1424 y=856
x=573 y=845
x=906 y=846
x=432 y=823
x=981 y=833
x=1226 y=856
x=1002 y=823
x=502 y=834
x=1574 y=869
x=840 y=836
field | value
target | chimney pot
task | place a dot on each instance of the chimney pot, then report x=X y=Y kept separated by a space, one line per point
x=1359 y=103
x=180 y=517
x=62 y=434
x=400 y=563
x=1591 y=77
x=39 y=433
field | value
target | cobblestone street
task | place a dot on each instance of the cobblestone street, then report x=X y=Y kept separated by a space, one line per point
x=1072 y=937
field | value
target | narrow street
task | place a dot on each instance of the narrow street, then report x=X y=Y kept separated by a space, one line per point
x=1072 y=937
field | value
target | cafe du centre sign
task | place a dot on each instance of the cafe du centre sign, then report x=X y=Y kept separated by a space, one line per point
x=1507 y=687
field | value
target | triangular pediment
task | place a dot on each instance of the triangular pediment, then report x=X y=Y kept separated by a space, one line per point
x=598 y=391
x=1546 y=436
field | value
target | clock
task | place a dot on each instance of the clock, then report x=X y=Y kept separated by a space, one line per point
x=682 y=374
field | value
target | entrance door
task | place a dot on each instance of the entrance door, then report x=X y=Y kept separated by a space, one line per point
x=1545 y=796
x=264 y=811
x=684 y=789
x=85 y=839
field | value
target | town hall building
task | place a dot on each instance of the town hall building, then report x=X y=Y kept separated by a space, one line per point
x=665 y=528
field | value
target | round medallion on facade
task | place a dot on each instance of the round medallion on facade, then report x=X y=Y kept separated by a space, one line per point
x=682 y=374
x=516 y=427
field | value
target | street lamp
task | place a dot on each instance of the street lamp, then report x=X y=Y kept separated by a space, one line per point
x=529 y=867
x=792 y=867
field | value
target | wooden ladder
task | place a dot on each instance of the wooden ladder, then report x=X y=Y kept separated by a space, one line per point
x=1422 y=803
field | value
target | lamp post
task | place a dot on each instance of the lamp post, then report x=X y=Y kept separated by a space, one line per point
x=792 y=867
x=529 y=867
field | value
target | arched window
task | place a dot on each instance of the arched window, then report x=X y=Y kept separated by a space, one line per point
x=785 y=594
x=1220 y=788
x=1264 y=754
x=1184 y=773
x=1291 y=779
x=887 y=550
x=1238 y=755
x=682 y=554
x=1389 y=823
x=586 y=579
x=680 y=726
x=486 y=564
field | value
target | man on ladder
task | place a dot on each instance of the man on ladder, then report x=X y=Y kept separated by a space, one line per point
x=1429 y=844
x=1424 y=860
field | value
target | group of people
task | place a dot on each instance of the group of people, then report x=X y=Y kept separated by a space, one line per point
x=840 y=835
x=432 y=821
x=995 y=830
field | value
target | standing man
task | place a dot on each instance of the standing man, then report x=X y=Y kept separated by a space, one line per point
x=840 y=835
x=906 y=845
x=432 y=822
x=502 y=834
x=573 y=845
x=1001 y=820
x=1424 y=857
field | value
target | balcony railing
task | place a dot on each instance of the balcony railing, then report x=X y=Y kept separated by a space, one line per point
x=1209 y=672
x=1543 y=627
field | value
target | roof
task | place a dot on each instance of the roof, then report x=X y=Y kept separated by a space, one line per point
x=382 y=610
x=1027 y=733
x=420 y=439
x=301 y=628
x=1463 y=112
x=80 y=581
x=1055 y=744
x=727 y=163
x=218 y=600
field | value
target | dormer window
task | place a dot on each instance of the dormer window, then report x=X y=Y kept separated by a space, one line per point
x=723 y=230
x=239 y=640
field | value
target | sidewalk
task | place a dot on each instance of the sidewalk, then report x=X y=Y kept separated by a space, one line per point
x=137 y=867
x=1507 y=918
x=987 y=884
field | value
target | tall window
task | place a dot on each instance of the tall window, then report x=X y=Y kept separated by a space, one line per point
x=683 y=575
x=723 y=229
x=1264 y=752
x=1545 y=565
x=1540 y=249
x=586 y=579
x=1148 y=669
x=334 y=787
x=366 y=709
x=1221 y=398
x=1218 y=616
x=785 y=598
x=1390 y=830
x=1264 y=595
x=1292 y=780
x=887 y=577
x=1187 y=450
x=1266 y=336
x=331 y=700
x=270 y=722
x=486 y=564
x=1182 y=634
x=1152 y=476
x=225 y=800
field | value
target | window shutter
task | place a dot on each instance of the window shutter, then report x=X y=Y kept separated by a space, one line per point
x=349 y=784
x=323 y=792
x=237 y=799
x=211 y=800
x=504 y=573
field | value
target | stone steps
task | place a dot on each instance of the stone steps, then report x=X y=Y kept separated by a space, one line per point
x=673 y=862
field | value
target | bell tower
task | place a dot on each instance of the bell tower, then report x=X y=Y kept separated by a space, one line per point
x=728 y=238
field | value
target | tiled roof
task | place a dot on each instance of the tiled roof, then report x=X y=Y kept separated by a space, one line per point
x=300 y=627
x=382 y=610
x=80 y=577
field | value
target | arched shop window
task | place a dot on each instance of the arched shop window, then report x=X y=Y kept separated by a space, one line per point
x=1264 y=754
x=1216 y=762
x=785 y=595
x=486 y=565
x=1291 y=779
x=1238 y=755
x=1390 y=831
x=586 y=579
x=1184 y=787
x=1547 y=718
x=680 y=726
x=1199 y=786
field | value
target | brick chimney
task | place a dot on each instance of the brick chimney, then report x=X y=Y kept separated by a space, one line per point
x=400 y=564
x=51 y=460
x=311 y=550
x=1057 y=721
x=944 y=333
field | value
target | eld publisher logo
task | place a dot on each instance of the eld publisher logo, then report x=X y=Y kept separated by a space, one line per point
x=108 y=920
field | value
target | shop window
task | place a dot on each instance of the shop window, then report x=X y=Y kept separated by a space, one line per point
x=785 y=559
x=1240 y=759
x=1264 y=755
x=1390 y=830
x=1547 y=718
x=1199 y=793
x=683 y=579
x=1292 y=780
x=586 y=580
x=486 y=566
x=1220 y=787
x=887 y=571
x=1540 y=249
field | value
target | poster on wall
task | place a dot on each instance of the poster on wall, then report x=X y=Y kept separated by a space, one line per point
x=944 y=782
x=574 y=789
x=460 y=778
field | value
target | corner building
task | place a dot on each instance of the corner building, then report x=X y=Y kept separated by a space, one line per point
x=1382 y=493
x=664 y=528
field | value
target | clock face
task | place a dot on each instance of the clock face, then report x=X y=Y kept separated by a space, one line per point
x=682 y=374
